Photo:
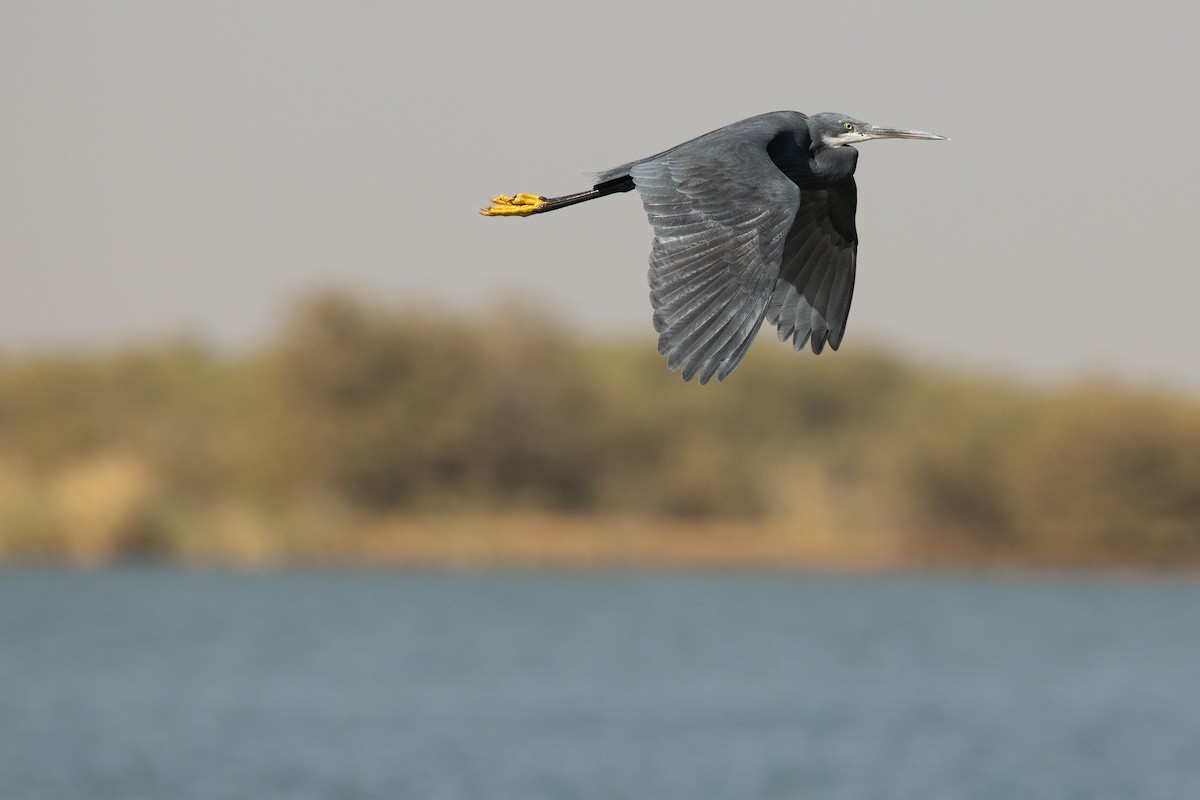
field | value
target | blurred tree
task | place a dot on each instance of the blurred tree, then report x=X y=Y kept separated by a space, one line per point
x=358 y=412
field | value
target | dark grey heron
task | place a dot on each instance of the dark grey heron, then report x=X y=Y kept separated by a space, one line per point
x=751 y=221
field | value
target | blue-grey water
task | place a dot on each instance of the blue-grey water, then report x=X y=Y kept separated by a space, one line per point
x=172 y=684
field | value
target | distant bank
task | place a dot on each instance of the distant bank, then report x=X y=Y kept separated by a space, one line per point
x=368 y=434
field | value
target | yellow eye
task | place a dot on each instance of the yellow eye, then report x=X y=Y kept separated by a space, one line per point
x=848 y=126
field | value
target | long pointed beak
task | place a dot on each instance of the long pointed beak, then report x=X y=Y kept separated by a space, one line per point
x=897 y=133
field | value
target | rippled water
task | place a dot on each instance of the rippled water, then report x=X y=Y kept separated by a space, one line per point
x=169 y=684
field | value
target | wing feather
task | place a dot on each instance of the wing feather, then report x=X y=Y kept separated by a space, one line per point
x=811 y=302
x=721 y=216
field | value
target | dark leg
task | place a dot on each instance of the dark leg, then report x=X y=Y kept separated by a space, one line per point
x=522 y=205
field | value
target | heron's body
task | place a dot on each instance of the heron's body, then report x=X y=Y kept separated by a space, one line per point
x=751 y=221
x=784 y=135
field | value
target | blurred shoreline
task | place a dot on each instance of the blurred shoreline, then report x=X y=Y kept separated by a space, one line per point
x=547 y=542
x=367 y=434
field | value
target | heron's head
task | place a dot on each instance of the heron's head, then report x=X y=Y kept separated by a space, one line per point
x=829 y=129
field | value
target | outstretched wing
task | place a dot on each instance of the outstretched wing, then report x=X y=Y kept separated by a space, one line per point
x=812 y=300
x=720 y=214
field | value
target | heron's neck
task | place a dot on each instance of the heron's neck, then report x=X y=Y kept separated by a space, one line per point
x=811 y=169
x=832 y=165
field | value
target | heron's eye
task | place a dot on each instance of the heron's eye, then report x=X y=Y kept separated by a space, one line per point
x=848 y=126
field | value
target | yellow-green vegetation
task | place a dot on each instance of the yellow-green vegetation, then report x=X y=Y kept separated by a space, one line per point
x=365 y=433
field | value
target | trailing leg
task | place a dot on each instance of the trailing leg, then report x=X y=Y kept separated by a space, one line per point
x=523 y=204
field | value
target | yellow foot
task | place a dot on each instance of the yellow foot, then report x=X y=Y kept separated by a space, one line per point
x=521 y=205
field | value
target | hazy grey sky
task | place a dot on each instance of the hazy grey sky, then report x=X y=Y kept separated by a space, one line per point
x=172 y=167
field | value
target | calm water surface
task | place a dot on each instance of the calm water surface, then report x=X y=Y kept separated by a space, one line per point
x=168 y=684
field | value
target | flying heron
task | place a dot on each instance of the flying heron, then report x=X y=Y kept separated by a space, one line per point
x=751 y=221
